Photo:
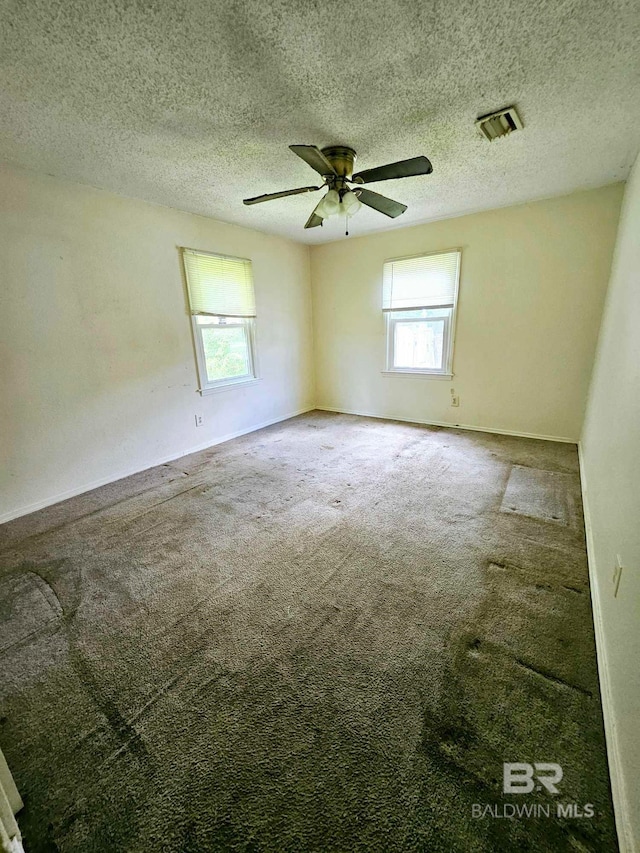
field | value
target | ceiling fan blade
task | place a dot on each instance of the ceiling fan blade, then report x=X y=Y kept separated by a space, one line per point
x=401 y=169
x=380 y=202
x=315 y=158
x=270 y=196
x=313 y=221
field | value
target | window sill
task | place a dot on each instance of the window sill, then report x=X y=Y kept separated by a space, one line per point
x=229 y=386
x=419 y=374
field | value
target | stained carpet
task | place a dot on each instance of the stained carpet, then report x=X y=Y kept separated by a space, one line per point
x=325 y=636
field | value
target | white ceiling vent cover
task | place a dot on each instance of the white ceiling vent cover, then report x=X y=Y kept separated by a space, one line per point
x=498 y=124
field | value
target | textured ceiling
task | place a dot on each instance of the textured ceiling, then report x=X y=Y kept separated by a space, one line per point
x=192 y=103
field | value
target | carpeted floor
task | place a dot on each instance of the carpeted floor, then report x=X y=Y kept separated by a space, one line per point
x=325 y=636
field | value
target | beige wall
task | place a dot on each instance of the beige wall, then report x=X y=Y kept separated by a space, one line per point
x=532 y=285
x=97 y=371
x=610 y=450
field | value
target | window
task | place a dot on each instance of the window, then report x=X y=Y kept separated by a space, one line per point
x=419 y=303
x=223 y=314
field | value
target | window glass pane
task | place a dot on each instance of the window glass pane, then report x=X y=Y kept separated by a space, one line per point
x=226 y=352
x=418 y=344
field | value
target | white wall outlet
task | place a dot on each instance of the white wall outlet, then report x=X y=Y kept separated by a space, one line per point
x=199 y=420
x=455 y=400
x=617 y=574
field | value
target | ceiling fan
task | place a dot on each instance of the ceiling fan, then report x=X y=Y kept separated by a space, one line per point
x=335 y=164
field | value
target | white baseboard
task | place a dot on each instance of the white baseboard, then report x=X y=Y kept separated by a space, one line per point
x=618 y=791
x=450 y=425
x=104 y=481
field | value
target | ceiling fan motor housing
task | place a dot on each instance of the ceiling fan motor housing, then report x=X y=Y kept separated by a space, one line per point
x=341 y=158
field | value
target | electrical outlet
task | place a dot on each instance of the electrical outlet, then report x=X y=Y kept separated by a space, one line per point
x=455 y=400
x=617 y=574
x=199 y=420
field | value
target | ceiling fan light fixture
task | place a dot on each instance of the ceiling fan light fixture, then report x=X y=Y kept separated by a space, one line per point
x=330 y=205
x=351 y=204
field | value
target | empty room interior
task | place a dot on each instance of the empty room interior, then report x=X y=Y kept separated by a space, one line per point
x=319 y=426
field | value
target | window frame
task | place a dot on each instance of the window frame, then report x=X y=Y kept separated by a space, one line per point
x=208 y=386
x=393 y=322
x=446 y=372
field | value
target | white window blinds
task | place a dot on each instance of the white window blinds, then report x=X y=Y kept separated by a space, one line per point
x=427 y=282
x=219 y=285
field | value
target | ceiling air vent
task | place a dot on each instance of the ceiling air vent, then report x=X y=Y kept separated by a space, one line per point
x=500 y=123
